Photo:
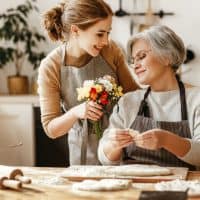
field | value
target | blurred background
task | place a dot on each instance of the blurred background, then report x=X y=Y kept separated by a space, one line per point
x=181 y=15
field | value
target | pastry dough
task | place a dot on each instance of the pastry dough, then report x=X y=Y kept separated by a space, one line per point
x=133 y=133
x=193 y=187
x=115 y=171
x=139 y=170
x=102 y=185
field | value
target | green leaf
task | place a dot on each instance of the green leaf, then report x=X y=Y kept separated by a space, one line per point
x=17 y=31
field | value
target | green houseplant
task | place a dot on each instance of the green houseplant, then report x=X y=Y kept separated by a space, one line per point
x=19 y=41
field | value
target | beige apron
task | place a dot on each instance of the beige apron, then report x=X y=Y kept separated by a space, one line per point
x=82 y=141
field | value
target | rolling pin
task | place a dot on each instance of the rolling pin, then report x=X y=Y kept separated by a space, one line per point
x=14 y=173
x=7 y=183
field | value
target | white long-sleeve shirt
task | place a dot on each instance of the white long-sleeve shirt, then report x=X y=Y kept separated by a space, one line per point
x=164 y=106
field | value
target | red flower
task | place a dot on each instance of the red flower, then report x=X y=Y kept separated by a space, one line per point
x=93 y=94
x=104 y=98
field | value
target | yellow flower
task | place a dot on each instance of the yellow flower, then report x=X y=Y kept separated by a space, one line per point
x=98 y=88
x=119 y=89
x=114 y=86
x=83 y=93
x=119 y=92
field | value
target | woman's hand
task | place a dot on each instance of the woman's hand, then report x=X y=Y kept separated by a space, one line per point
x=88 y=110
x=119 y=138
x=158 y=138
x=152 y=139
x=116 y=140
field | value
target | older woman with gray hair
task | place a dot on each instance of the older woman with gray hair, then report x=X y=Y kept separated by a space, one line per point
x=160 y=124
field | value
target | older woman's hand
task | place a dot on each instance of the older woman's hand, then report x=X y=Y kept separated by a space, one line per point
x=115 y=141
x=119 y=138
x=152 y=139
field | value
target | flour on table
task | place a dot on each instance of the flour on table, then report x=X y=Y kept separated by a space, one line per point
x=56 y=180
x=86 y=171
x=102 y=185
x=193 y=187
x=115 y=171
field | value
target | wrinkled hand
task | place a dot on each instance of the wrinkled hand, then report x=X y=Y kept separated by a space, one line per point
x=152 y=139
x=88 y=110
x=119 y=138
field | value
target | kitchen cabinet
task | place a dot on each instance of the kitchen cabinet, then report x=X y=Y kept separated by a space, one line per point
x=17 y=134
x=22 y=138
x=49 y=152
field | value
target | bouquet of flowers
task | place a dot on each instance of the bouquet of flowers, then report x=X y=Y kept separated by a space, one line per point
x=103 y=91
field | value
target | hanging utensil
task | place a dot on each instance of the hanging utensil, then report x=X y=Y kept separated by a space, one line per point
x=149 y=18
x=121 y=12
x=132 y=17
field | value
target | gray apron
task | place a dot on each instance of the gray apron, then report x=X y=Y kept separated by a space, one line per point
x=144 y=122
x=82 y=141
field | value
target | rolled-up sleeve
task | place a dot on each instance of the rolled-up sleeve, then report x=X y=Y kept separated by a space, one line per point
x=49 y=88
x=116 y=121
x=192 y=155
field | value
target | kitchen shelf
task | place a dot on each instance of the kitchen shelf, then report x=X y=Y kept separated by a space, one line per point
x=32 y=99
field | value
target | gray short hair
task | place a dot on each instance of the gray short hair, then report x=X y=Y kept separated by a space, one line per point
x=164 y=42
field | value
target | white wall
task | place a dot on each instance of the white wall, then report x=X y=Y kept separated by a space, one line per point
x=35 y=21
x=186 y=22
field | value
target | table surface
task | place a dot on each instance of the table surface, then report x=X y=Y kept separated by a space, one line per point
x=46 y=184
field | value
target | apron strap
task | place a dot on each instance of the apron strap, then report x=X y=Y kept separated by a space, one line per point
x=64 y=50
x=144 y=108
x=182 y=98
x=84 y=143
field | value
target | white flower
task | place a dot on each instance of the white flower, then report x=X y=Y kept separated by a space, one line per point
x=88 y=83
x=107 y=84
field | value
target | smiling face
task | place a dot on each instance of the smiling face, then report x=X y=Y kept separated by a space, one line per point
x=147 y=67
x=93 y=39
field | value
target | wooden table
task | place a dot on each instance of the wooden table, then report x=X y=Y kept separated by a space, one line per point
x=61 y=188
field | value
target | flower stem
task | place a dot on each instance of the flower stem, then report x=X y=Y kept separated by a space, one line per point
x=97 y=129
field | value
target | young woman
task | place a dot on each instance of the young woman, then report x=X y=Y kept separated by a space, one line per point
x=86 y=53
x=166 y=115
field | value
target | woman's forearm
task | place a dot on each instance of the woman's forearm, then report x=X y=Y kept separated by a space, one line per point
x=113 y=154
x=177 y=145
x=61 y=125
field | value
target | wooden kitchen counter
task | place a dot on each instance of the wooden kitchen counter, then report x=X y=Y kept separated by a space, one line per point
x=47 y=185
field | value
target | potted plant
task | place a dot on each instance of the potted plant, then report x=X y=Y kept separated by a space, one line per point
x=19 y=44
